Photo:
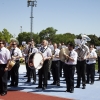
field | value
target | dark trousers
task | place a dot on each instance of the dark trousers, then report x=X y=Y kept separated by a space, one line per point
x=69 y=75
x=49 y=68
x=43 y=74
x=3 y=78
x=81 y=68
x=61 y=67
x=15 y=73
x=31 y=72
x=55 y=71
x=26 y=64
x=99 y=64
x=90 y=72
x=9 y=75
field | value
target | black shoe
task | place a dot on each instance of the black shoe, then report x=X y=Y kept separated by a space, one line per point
x=34 y=82
x=10 y=85
x=27 y=81
x=15 y=85
x=54 y=83
x=72 y=90
x=4 y=93
x=83 y=87
x=58 y=84
x=25 y=76
x=92 y=83
x=77 y=86
x=43 y=88
x=87 y=82
x=39 y=87
x=67 y=91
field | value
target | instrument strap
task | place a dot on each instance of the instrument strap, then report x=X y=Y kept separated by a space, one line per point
x=43 y=49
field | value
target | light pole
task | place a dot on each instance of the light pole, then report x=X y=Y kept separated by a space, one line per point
x=20 y=29
x=32 y=3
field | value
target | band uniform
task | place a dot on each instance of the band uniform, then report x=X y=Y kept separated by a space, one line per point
x=15 y=55
x=4 y=62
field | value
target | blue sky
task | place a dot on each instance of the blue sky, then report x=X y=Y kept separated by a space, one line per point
x=74 y=16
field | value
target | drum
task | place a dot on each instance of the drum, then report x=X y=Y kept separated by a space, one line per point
x=36 y=60
x=11 y=64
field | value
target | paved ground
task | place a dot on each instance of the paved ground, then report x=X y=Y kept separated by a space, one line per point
x=92 y=92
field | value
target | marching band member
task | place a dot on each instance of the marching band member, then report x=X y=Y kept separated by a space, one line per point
x=43 y=72
x=56 y=66
x=90 y=64
x=32 y=51
x=83 y=52
x=15 y=55
x=69 y=67
x=4 y=63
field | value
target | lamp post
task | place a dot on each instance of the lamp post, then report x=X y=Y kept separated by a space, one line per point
x=20 y=29
x=32 y=3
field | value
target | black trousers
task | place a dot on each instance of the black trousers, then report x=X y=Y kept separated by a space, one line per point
x=61 y=67
x=15 y=73
x=26 y=64
x=90 y=72
x=43 y=74
x=31 y=72
x=55 y=71
x=81 y=69
x=69 y=75
x=3 y=78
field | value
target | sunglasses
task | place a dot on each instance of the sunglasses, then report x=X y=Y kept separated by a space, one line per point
x=13 y=44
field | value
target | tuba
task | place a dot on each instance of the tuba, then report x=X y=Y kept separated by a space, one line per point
x=61 y=54
x=81 y=48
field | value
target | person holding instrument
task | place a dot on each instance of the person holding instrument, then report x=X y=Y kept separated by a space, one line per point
x=15 y=55
x=70 y=63
x=4 y=63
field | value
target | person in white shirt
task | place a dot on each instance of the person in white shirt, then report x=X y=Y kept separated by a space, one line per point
x=4 y=64
x=16 y=54
x=82 y=52
x=43 y=72
x=70 y=63
x=31 y=69
x=55 y=67
x=90 y=64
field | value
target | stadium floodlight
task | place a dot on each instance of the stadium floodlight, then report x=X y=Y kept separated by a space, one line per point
x=32 y=3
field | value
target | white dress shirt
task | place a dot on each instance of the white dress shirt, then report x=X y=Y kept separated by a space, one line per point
x=92 y=60
x=56 y=53
x=47 y=52
x=17 y=52
x=4 y=55
x=73 y=55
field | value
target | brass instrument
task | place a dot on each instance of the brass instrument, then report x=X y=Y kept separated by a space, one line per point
x=61 y=54
x=11 y=64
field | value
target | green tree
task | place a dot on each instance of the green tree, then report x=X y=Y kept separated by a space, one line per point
x=25 y=36
x=5 y=35
x=48 y=33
